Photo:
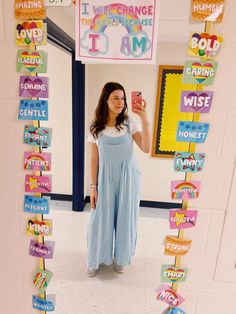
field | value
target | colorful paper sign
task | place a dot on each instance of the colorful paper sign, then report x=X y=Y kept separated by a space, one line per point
x=38 y=184
x=39 y=228
x=175 y=246
x=41 y=279
x=185 y=190
x=33 y=61
x=182 y=219
x=199 y=72
x=204 y=45
x=31 y=33
x=33 y=110
x=175 y=310
x=195 y=132
x=41 y=250
x=56 y=3
x=37 y=136
x=47 y=305
x=33 y=86
x=116 y=32
x=30 y=9
x=36 y=205
x=172 y=274
x=169 y=296
x=188 y=162
x=37 y=161
x=196 y=101
x=210 y=10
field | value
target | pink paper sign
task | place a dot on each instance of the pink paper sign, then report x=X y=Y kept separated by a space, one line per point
x=182 y=219
x=33 y=86
x=37 y=161
x=169 y=296
x=196 y=101
x=38 y=184
x=185 y=190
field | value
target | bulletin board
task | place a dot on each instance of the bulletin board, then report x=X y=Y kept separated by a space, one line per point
x=167 y=113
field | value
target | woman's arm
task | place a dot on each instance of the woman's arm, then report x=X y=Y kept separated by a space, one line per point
x=94 y=162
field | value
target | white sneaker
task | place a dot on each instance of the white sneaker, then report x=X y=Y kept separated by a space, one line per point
x=118 y=269
x=91 y=272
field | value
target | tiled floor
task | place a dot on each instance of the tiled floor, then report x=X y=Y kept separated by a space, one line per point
x=107 y=293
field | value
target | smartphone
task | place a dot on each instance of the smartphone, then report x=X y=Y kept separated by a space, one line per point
x=136 y=98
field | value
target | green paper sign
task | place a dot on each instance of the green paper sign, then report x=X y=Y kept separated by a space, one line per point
x=41 y=279
x=199 y=72
x=172 y=274
x=33 y=61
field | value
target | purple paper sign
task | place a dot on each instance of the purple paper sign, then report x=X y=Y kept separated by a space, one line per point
x=196 y=101
x=33 y=86
x=41 y=250
x=182 y=219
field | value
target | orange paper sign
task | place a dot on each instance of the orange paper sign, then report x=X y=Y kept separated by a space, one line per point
x=208 y=10
x=30 y=9
x=176 y=246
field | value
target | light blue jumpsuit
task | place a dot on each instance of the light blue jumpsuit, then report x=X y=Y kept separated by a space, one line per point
x=115 y=218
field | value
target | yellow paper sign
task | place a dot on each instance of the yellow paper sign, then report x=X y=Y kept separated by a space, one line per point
x=30 y=9
x=208 y=10
x=31 y=33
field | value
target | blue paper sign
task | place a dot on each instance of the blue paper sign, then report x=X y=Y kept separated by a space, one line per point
x=175 y=310
x=37 y=136
x=36 y=205
x=33 y=110
x=192 y=131
x=44 y=305
x=188 y=162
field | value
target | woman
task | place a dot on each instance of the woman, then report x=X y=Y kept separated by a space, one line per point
x=114 y=179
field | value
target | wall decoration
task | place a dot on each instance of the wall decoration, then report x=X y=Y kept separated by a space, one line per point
x=36 y=205
x=189 y=162
x=185 y=190
x=39 y=228
x=57 y=3
x=33 y=61
x=116 y=32
x=41 y=250
x=182 y=219
x=195 y=132
x=199 y=72
x=37 y=136
x=37 y=161
x=33 y=110
x=196 y=101
x=47 y=305
x=175 y=246
x=210 y=10
x=175 y=310
x=169 y=296
x=204 y=45
x=38 y=184
x=41 y=279
x=31 y=33
x=36 y=87
x=172 y=274
x=30 y=9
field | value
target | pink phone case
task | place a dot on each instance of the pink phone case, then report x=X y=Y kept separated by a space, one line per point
x=136 y=96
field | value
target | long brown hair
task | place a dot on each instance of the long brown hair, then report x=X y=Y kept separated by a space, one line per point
x=102 y=112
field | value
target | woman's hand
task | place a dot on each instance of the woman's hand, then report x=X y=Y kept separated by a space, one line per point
x=93 y=198
x=140 y=110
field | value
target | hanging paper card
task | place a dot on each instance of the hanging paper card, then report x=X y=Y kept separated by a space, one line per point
x=60 y=3
x=182 y=219
x=31 y=33
x=37 y=136
x=123 y=32
x=37 y=161
x=33 y=110
x=204 y=45
x=30 y=9
x=41 y=279
x=184 y=190
x=175 y=246
x=196 y=101
x=210 y=10
x=33 y=61
x=36 y=205
x=195 y=132
x=38 y=184
x=175 y=310
x=169 y=296
x=47 y=305
x=199 y=72
x=39 y=228
x=172 y=274
x=188 y=162
x=41 y=250
x=36 y=87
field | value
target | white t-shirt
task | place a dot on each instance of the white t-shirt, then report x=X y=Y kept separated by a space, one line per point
x=134 y=127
